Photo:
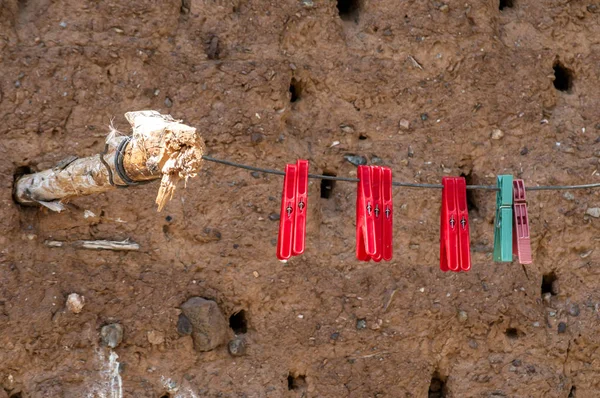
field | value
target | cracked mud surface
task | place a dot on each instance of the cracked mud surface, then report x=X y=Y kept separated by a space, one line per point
x=418 y=86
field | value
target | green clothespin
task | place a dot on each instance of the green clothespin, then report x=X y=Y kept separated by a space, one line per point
x=503 y=230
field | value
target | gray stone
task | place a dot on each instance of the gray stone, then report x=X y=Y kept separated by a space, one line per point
x=274 y=216
x=562 y=327
x=112 y=335
x=462 y=316
x=209 y=327
x=574 y=310
x=568 y=196
x=473 y=344
x=361 y=323
x=356 y=160
x=237 y=347
x=593 y=211
x=168 y=102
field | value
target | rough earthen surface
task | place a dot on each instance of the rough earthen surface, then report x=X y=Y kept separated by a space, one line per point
x=420 y=86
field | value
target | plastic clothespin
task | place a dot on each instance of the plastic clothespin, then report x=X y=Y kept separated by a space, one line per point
x=374 y=214
x=503 y=240
x=388 y=213
x=455 y=246
x=294 y=202
x=365 y=216
x=521 y=237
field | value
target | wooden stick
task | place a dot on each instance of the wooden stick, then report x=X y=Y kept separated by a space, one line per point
x=116 y=245
x=160 y=147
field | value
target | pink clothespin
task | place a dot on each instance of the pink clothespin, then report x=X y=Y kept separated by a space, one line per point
x=521 y=237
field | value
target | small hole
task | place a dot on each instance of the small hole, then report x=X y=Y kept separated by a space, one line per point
x=16 y=395
x=563 y=78
x=506 y=4
x=186 y=6
x=166 y=395
x=348 y=9
x=572 y=392
x=513 y=333
x=362 y=137
x=327 y=185
x=20 y=171
x=471 y=202
x=437 y=387
x=295 y=90
x=550 y=284
x=238 y=322
x=296 y=383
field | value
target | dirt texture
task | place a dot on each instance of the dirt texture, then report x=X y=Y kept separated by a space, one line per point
x=425 y=87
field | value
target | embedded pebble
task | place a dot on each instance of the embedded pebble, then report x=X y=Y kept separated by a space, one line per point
x=209 y=327
x=155 y=337
x=574 y=310
x=347 y=129
x=168 y=102
x=593 y=211
x=112 y=335
x=568 y=196
x=75 y=303
x=404 y=124
x=361 y=323
x=462 y=316
x=497 y=134
x=274 y=216
x=473 y=344
x=356 y=160
x=562 y=327
x=237 y=347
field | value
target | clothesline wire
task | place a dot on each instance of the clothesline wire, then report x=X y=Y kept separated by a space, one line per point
x=395 y=183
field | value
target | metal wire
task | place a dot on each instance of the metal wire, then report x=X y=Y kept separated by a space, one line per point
x=396 y=183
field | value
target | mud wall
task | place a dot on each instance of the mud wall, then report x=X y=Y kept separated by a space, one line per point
x=475 y=88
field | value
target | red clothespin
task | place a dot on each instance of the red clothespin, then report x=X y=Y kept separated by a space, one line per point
x=294 y=201
x=455 y=247
x=365 y=216
x=374 y=214
x=388 y=213
x=521 y=237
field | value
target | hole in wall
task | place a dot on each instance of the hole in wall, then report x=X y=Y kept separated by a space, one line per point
x=505 y=4
x=296 y=383
x=166 y=395
x=513 y=333
x=471 y=200
x=213 y=47
x=238 y=322
x=186 y=6
x=348 y=10
x=19 y=171
x=572 y=393
x=362 y=137
x=437 y=387
x=563 y=78
x=295 y=90
x=16 y=395
x=550 y=284
x=327 y=185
